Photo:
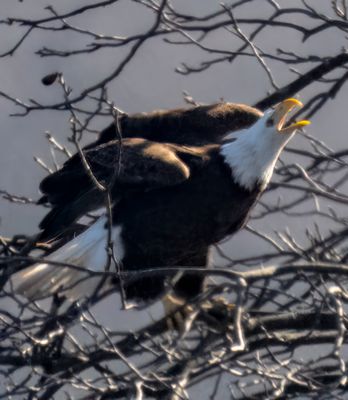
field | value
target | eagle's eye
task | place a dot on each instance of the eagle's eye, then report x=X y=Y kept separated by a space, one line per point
x=270 y=122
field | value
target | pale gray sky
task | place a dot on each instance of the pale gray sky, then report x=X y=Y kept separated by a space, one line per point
x=147 y=83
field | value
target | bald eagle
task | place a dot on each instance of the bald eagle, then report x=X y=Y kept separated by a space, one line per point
x=182 y=184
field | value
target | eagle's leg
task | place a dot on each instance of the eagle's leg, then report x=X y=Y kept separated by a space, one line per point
x=178 y=304
x=181 y=314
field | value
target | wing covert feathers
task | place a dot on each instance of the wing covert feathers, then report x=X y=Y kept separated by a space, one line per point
x=144 y=165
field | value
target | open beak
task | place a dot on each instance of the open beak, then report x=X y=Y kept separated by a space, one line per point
x=281 y=112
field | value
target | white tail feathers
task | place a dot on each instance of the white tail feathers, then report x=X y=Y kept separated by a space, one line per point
x=87 y=250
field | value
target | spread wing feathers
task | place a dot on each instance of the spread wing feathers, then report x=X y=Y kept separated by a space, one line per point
x=143 y=165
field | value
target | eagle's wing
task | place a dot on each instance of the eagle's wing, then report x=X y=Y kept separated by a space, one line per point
x=137 y=165
x=193 y=126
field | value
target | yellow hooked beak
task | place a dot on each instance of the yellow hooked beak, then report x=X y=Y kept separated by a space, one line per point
x=281 y=112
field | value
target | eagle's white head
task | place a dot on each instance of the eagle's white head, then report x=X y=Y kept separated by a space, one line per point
x=254 y=152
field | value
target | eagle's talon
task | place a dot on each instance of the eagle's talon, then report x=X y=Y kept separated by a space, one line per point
x=217 y=311
x=180 y=315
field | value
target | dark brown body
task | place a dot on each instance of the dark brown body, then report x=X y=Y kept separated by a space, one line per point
x=175 y=226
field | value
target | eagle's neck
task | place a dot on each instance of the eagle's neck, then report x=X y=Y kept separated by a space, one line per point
x=253 y=155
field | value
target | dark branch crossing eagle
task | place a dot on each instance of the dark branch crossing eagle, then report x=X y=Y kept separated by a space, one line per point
x=182 y=185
